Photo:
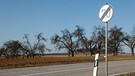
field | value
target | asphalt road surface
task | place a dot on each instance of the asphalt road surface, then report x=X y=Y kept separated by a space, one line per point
x=81 y=69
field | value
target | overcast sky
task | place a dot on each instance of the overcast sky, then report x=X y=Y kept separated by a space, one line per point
x=19 y=17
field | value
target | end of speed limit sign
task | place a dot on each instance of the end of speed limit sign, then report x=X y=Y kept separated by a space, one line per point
x=106 y=13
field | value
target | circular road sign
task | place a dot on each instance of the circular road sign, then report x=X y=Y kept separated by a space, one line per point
x=105 y=13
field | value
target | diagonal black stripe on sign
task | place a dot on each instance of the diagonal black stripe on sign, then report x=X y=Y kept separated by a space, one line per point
x=106 y=12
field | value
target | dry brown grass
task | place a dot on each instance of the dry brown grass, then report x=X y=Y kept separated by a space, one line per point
x=128 y=74
x=54 y=59
x=121 y=57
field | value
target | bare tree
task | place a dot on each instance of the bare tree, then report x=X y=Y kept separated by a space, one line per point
x=67 y=41
x=130 y=42
x=11 y=49
x=38 y=47
x=86 y=43
x=27 y=47
x=116 y=36
x=1 y=51
x=98 y=37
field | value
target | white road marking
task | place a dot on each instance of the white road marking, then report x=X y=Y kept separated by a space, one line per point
x=43 y=73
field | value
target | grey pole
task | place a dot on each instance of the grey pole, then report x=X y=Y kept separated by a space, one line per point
x=105 y=14
x=106 y=52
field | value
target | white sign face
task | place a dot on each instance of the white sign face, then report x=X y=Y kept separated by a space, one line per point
x=105 y=13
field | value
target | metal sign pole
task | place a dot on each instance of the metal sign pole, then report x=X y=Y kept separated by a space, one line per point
x=106 y=52
x=105 y=15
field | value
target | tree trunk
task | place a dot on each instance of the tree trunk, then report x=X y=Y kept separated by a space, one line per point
x=99 y=51
x=116 y=52
x=91 y=52
x=113 y=53
x=132 y=51
x=72 y=53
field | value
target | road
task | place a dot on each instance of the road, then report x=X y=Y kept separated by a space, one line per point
x=81 y=69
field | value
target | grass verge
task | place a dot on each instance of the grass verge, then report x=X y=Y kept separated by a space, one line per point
x=54 y=60
x=128 y=74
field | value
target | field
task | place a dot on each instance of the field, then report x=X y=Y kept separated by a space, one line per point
x=54 y=60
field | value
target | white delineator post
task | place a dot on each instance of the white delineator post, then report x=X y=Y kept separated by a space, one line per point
x=95 y=71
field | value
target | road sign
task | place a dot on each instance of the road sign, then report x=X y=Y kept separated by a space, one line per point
x=105 y=13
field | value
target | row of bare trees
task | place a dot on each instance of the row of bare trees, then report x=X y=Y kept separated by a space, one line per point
x=15 y=48
x=72 y=42
x=78 y=40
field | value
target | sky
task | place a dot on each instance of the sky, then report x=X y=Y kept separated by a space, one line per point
x=19 y=17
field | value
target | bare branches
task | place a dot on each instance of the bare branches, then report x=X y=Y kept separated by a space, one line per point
x=39 y=46
x=67 y=40
x=130 y=42
x=115 y=38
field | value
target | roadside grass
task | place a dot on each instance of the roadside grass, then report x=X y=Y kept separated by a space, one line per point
x=127 y=74
x=55 y=60
x=121 y=57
